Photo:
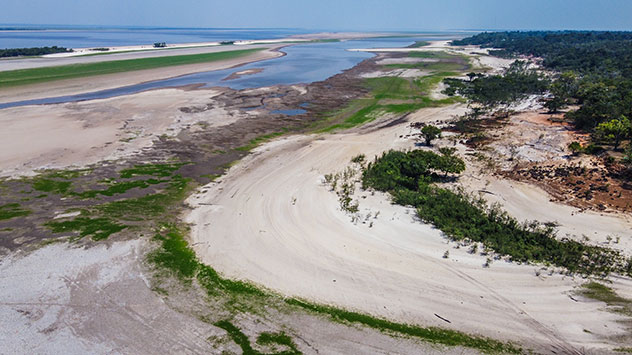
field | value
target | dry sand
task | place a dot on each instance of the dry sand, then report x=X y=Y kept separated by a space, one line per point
x=62 y=299
x=271 y=220
x=82 y=133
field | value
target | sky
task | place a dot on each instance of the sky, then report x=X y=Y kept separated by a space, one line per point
x=341 y=15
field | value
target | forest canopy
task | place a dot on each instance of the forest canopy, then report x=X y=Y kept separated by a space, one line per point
x=592 y=70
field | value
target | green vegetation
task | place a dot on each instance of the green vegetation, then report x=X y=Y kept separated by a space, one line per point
x=430 y=133
x=98 y=228
x=399 y=95
x=419 y=44
x=49 y=185
x=613 y=131
x=278 y=339
x=161 y=170
x=153 y=205
x=408 y=177
x=390 y=95
x=264 y=339
x=576 y=148
x=12 y=210
x=175 y=256
x=435 y=62
x=593 y=70
x=17 y=52
x=39 y=75
x=237 y=336
x=430 y=334
x=605 y=294
x=102 y=220
x=119 y=188
x=518 y=82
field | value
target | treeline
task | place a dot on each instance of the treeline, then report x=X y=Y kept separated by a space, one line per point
x=409 y=177
x=582 y=51
x=490 y=91
x=593 y=71
x=17 y=52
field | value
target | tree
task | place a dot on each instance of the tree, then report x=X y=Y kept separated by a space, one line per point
x=575 y=148
x=554 y=104
x=614 y=130
x=430 y=133
x=627 y=158
x=562 y=89
x=450 y=163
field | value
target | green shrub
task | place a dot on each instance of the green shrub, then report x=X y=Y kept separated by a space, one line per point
x=408 y=177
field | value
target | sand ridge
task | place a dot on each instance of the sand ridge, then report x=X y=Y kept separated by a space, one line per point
x=271 y=220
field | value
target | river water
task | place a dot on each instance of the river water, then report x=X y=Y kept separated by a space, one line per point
x=303 y=63
x=82 y=37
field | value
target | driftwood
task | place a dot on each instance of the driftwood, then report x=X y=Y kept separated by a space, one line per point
x=443 y=319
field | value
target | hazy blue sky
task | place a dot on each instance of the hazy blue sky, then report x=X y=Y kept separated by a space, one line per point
x=327 y=14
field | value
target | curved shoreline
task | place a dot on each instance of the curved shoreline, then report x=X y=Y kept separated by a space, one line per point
x=84 y=85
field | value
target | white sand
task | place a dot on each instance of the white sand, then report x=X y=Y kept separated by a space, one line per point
x=271 y=220
x=65 y=300
x=82 y=133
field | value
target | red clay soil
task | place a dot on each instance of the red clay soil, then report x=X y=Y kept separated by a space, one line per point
x=595 y=186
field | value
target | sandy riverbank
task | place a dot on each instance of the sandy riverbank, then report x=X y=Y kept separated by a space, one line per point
x=111 y=81
x=82 y=133
x=273 y=221
x=145 y=48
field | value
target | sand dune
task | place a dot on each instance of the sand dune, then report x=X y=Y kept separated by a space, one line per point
x=272 y=221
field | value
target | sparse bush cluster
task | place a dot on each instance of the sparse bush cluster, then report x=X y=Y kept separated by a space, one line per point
x=344 y=185
x=409 y=176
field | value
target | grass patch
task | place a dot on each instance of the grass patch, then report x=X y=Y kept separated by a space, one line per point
x=238 y=337
x=603 y=293
x=161 y=170
x=363 y=115
x=148 y=206
x=119 y=188
x=12 y=210
x=39 y=75
x=278 y=339
x=430 y=334
x=623 y=350
x=175 y=255
x=49 y=185
x=441 y=62
x=419 y=44
x=98 y=228
x=397 y=95
x=55 y=181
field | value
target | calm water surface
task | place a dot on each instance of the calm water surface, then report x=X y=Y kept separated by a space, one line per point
x=84 y=38
x=304 y=63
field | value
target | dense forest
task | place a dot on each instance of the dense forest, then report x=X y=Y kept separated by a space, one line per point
x=591 y=71
x=17 y=52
